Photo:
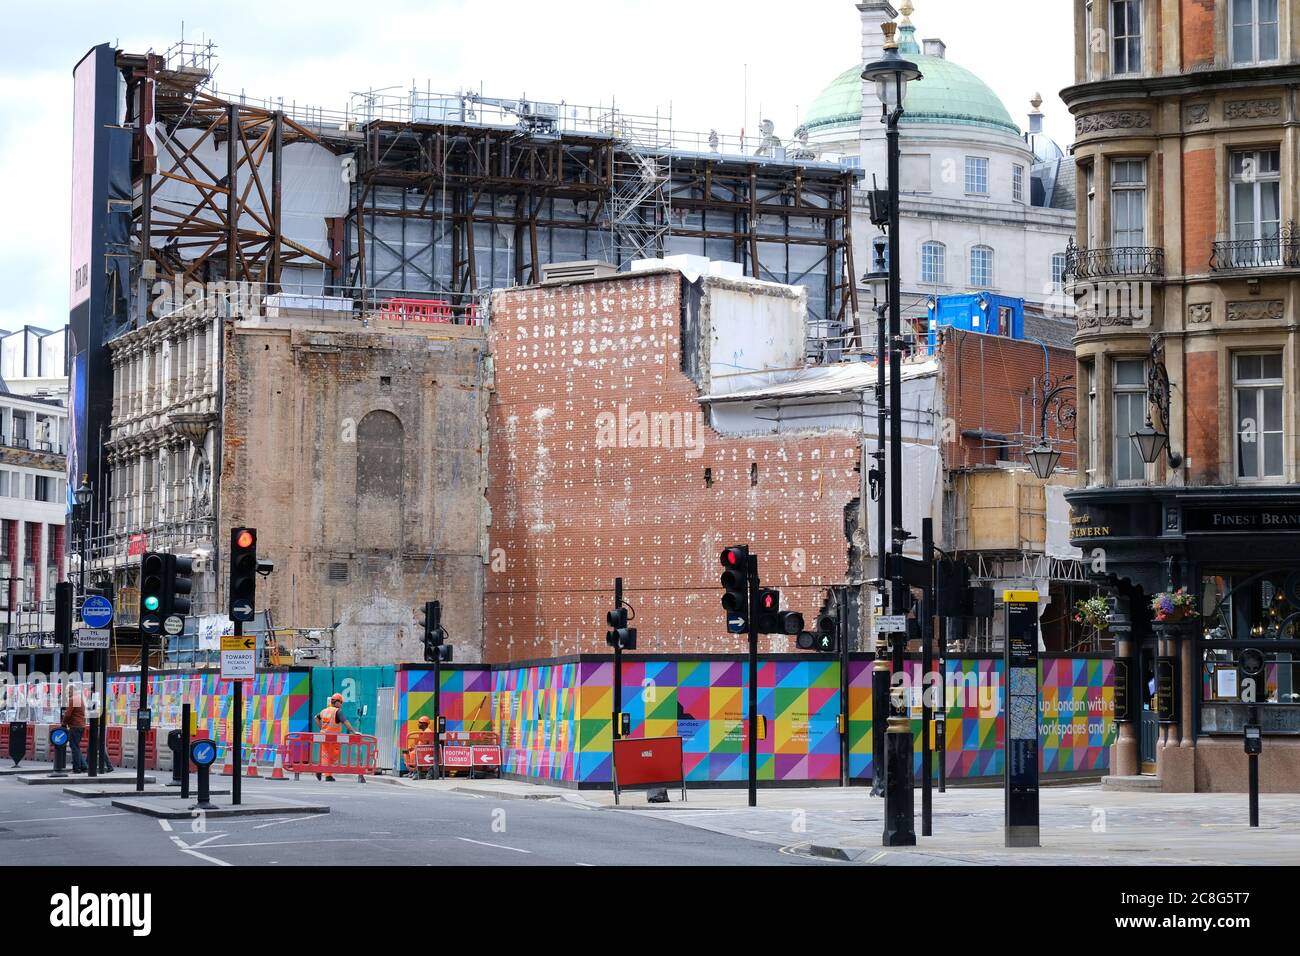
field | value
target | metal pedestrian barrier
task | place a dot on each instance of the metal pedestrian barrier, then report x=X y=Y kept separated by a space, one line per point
x=331 y=754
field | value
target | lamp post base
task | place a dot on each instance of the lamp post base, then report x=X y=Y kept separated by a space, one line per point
x=899 y=809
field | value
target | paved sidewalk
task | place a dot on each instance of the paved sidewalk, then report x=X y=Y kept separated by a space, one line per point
x=1083 y=825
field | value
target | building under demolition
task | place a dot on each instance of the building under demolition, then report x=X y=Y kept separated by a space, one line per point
x=278 y=319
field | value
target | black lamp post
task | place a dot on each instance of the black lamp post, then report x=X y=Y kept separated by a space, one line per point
x=891 y=74
x=1043 y=457
x=878 y=282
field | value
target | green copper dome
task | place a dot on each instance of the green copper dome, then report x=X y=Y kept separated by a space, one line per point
x=948 y=94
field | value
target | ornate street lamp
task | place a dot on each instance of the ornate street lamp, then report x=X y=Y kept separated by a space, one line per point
x=1043 y=458
x=1151 y=441
x=82 y=493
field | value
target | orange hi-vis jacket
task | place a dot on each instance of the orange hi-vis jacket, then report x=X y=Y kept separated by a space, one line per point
x=330 y=720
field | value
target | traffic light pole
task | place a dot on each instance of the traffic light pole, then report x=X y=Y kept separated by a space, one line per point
x=140 y=733
x=927 y=666
x=880 y=663
x=842 y=620
x=437 y=715
x=752 y=572
x=617 y=716
x=237 y=730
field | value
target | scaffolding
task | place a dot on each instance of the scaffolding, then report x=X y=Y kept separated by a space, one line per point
x=449 y=195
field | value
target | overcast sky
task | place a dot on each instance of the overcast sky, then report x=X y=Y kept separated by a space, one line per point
x=690 y=56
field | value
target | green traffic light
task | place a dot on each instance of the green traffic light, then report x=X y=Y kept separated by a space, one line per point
x=151 y=603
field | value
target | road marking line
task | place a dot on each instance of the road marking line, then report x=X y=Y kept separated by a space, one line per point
x=273 y=823
x=180 y=845
x=228 y=846
x=166 y=825
x=88 y=816
x=498 y=846
x=193 y=846
x=584 y=864
x=878 y=856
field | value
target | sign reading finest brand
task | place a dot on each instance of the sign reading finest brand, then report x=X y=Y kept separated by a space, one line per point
x=1281 y=517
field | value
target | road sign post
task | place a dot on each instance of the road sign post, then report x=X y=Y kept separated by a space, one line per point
x=238 y=663
x=1020 y=765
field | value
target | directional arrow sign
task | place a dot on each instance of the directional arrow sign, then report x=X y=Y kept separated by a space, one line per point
x=891 y=624
x=736 y=625
x=238 y=642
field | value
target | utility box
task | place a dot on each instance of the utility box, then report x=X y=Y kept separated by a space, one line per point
x=982 y=312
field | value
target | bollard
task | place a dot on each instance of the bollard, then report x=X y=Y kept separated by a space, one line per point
x=1254 y=746
x=59 y=738
x=178 y=756
x=17 y=740
x=203 y=753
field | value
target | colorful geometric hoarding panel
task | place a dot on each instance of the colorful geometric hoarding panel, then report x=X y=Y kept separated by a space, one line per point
x=277 y=704
x=555 y=719
x=704 y=702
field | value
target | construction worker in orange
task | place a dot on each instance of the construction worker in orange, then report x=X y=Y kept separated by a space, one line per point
x=331 y=721
x=423 y=736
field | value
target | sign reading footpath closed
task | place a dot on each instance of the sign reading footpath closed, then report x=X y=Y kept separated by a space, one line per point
x=1020 y=768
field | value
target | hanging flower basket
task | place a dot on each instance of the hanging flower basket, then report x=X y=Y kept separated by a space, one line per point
x=1174 y=607
x=1093 y=613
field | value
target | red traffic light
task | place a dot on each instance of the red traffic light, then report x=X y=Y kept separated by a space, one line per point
x=244 y=539
x=734 y=557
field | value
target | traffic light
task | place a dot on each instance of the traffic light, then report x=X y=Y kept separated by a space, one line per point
x=952 y=578
x=619 y=635
x=827 y=636
x=179 y=569
x=773 y=620
x=243 y=573
x=434 y=633
x=153 y=591
x=735 y=583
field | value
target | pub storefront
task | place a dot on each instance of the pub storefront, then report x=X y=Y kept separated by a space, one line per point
x=1224 y=568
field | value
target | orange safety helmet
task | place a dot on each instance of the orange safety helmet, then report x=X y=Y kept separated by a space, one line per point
x=424 y=721
x=336 y=698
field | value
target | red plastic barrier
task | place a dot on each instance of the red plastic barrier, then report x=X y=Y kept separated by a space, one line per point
x=113 y=741
x=648 y=762
x=151 y=750
x=331 y=754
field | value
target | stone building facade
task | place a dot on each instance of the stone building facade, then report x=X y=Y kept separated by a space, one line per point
x=1185 y=270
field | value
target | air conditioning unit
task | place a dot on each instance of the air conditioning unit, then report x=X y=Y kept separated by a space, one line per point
x=553 y=272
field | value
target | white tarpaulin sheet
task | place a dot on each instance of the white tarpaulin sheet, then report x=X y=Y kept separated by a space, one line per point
x=1058 y=525
x=922 y=498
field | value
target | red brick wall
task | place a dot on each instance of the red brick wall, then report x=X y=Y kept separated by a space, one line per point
x=989 y=385
x=1199 y=220
x=569 y=516
x=1203 y=417
x=1197 y=34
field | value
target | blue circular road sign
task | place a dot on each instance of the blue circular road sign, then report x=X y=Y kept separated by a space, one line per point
x=203 y=752
x=58 y=737
x=97 y=611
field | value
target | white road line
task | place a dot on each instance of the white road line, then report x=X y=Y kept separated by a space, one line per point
x=312 y=816
x=498 y=846
x=180 y=845
x=228 y=846
x=88 y=816
x=195 y=846
x=166 y=825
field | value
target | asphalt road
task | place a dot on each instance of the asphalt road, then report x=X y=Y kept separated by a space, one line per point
x=370 y=824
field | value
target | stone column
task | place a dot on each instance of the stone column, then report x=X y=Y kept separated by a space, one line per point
x=1125 y=755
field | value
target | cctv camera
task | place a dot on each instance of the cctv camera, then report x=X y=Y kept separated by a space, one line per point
x=265 y=567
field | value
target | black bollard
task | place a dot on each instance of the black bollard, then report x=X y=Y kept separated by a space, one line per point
x=18 y=741
x=203 y=753
x=59 y=739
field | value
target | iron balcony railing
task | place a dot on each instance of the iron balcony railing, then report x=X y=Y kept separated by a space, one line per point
x=1114 y=262
x=1276 y=252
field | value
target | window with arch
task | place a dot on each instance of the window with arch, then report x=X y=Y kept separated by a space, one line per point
x=981 y=267
x=933 y=262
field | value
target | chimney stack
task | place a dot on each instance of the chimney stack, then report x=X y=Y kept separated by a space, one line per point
x=935 y=47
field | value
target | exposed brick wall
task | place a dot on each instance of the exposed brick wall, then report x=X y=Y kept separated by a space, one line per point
x=295 y=440
x=1199 y=216
x=1197 y=34
x=570 y=513
x=1203 y=417
x=989 y=384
